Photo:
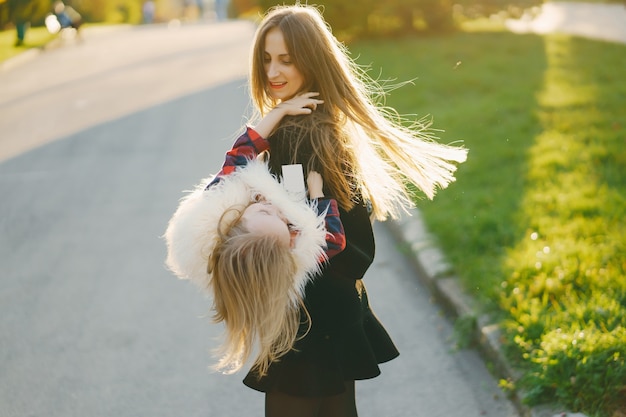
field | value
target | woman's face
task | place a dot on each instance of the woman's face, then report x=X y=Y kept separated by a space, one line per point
x=265 y=218
x=284 y=79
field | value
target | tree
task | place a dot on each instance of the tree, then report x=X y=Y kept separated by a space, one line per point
x=21 y=13
x=370 y=17
x=430 y=15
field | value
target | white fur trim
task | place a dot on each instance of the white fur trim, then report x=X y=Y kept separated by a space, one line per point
x=192 y=231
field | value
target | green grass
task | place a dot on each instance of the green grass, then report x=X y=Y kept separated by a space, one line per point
x=36 y=37
x=535 y=223
x=481 y=89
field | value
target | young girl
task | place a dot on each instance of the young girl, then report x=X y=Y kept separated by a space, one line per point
x=253 y=246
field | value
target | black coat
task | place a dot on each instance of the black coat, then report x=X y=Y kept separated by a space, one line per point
x=345 y=341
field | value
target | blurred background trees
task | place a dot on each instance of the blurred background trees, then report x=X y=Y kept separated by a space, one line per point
x=351 y=18
x=12 y=11
x=389 y=17
x=401 y=17
x=94 y=11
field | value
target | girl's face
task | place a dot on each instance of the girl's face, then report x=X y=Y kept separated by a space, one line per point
x=265 y=218
x=284 y=79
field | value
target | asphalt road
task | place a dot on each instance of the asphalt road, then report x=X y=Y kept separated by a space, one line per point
x=97 y=141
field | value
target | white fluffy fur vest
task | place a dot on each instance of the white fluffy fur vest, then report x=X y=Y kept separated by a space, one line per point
x=192 y=231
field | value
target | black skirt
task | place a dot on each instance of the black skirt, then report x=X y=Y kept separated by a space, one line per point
x=346 y=341
x=332 y=351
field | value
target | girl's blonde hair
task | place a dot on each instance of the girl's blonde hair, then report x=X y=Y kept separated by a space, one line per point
x=360 y=146
x=254 y=295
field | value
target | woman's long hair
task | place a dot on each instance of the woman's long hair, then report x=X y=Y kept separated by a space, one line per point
x=360 y=146
x=253 y=295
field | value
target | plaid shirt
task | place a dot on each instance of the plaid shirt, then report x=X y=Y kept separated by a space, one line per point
x=248 y=146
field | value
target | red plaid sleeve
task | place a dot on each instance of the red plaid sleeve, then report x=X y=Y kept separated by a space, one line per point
x=248 y=146
x=335 y=235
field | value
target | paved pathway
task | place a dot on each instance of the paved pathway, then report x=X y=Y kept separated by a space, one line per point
x=591 y=20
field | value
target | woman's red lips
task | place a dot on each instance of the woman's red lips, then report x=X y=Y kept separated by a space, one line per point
x=277 y=85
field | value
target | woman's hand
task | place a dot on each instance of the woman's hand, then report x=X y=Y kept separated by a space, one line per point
x=315 y=184
x=304 y=103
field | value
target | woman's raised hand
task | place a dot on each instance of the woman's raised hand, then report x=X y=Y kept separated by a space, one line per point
x=304 y=103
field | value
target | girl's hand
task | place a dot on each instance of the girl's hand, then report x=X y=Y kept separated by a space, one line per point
x=304 y=103
x=315 y=183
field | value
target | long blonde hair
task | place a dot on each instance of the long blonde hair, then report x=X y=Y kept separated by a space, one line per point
x=362 y=147
x=253 y=295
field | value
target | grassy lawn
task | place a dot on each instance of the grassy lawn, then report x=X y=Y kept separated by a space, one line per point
x=35 y=38
x=534 y=224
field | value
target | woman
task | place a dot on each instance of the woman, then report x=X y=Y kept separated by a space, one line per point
x=318 y=109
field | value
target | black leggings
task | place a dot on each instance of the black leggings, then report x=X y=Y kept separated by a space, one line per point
x=278 y=404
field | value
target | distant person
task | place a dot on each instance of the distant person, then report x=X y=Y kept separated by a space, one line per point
x=20 y=28
x=21 y=15
x=148 y=11
x=67 y=16
x=200 y=5
x=221 y=10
